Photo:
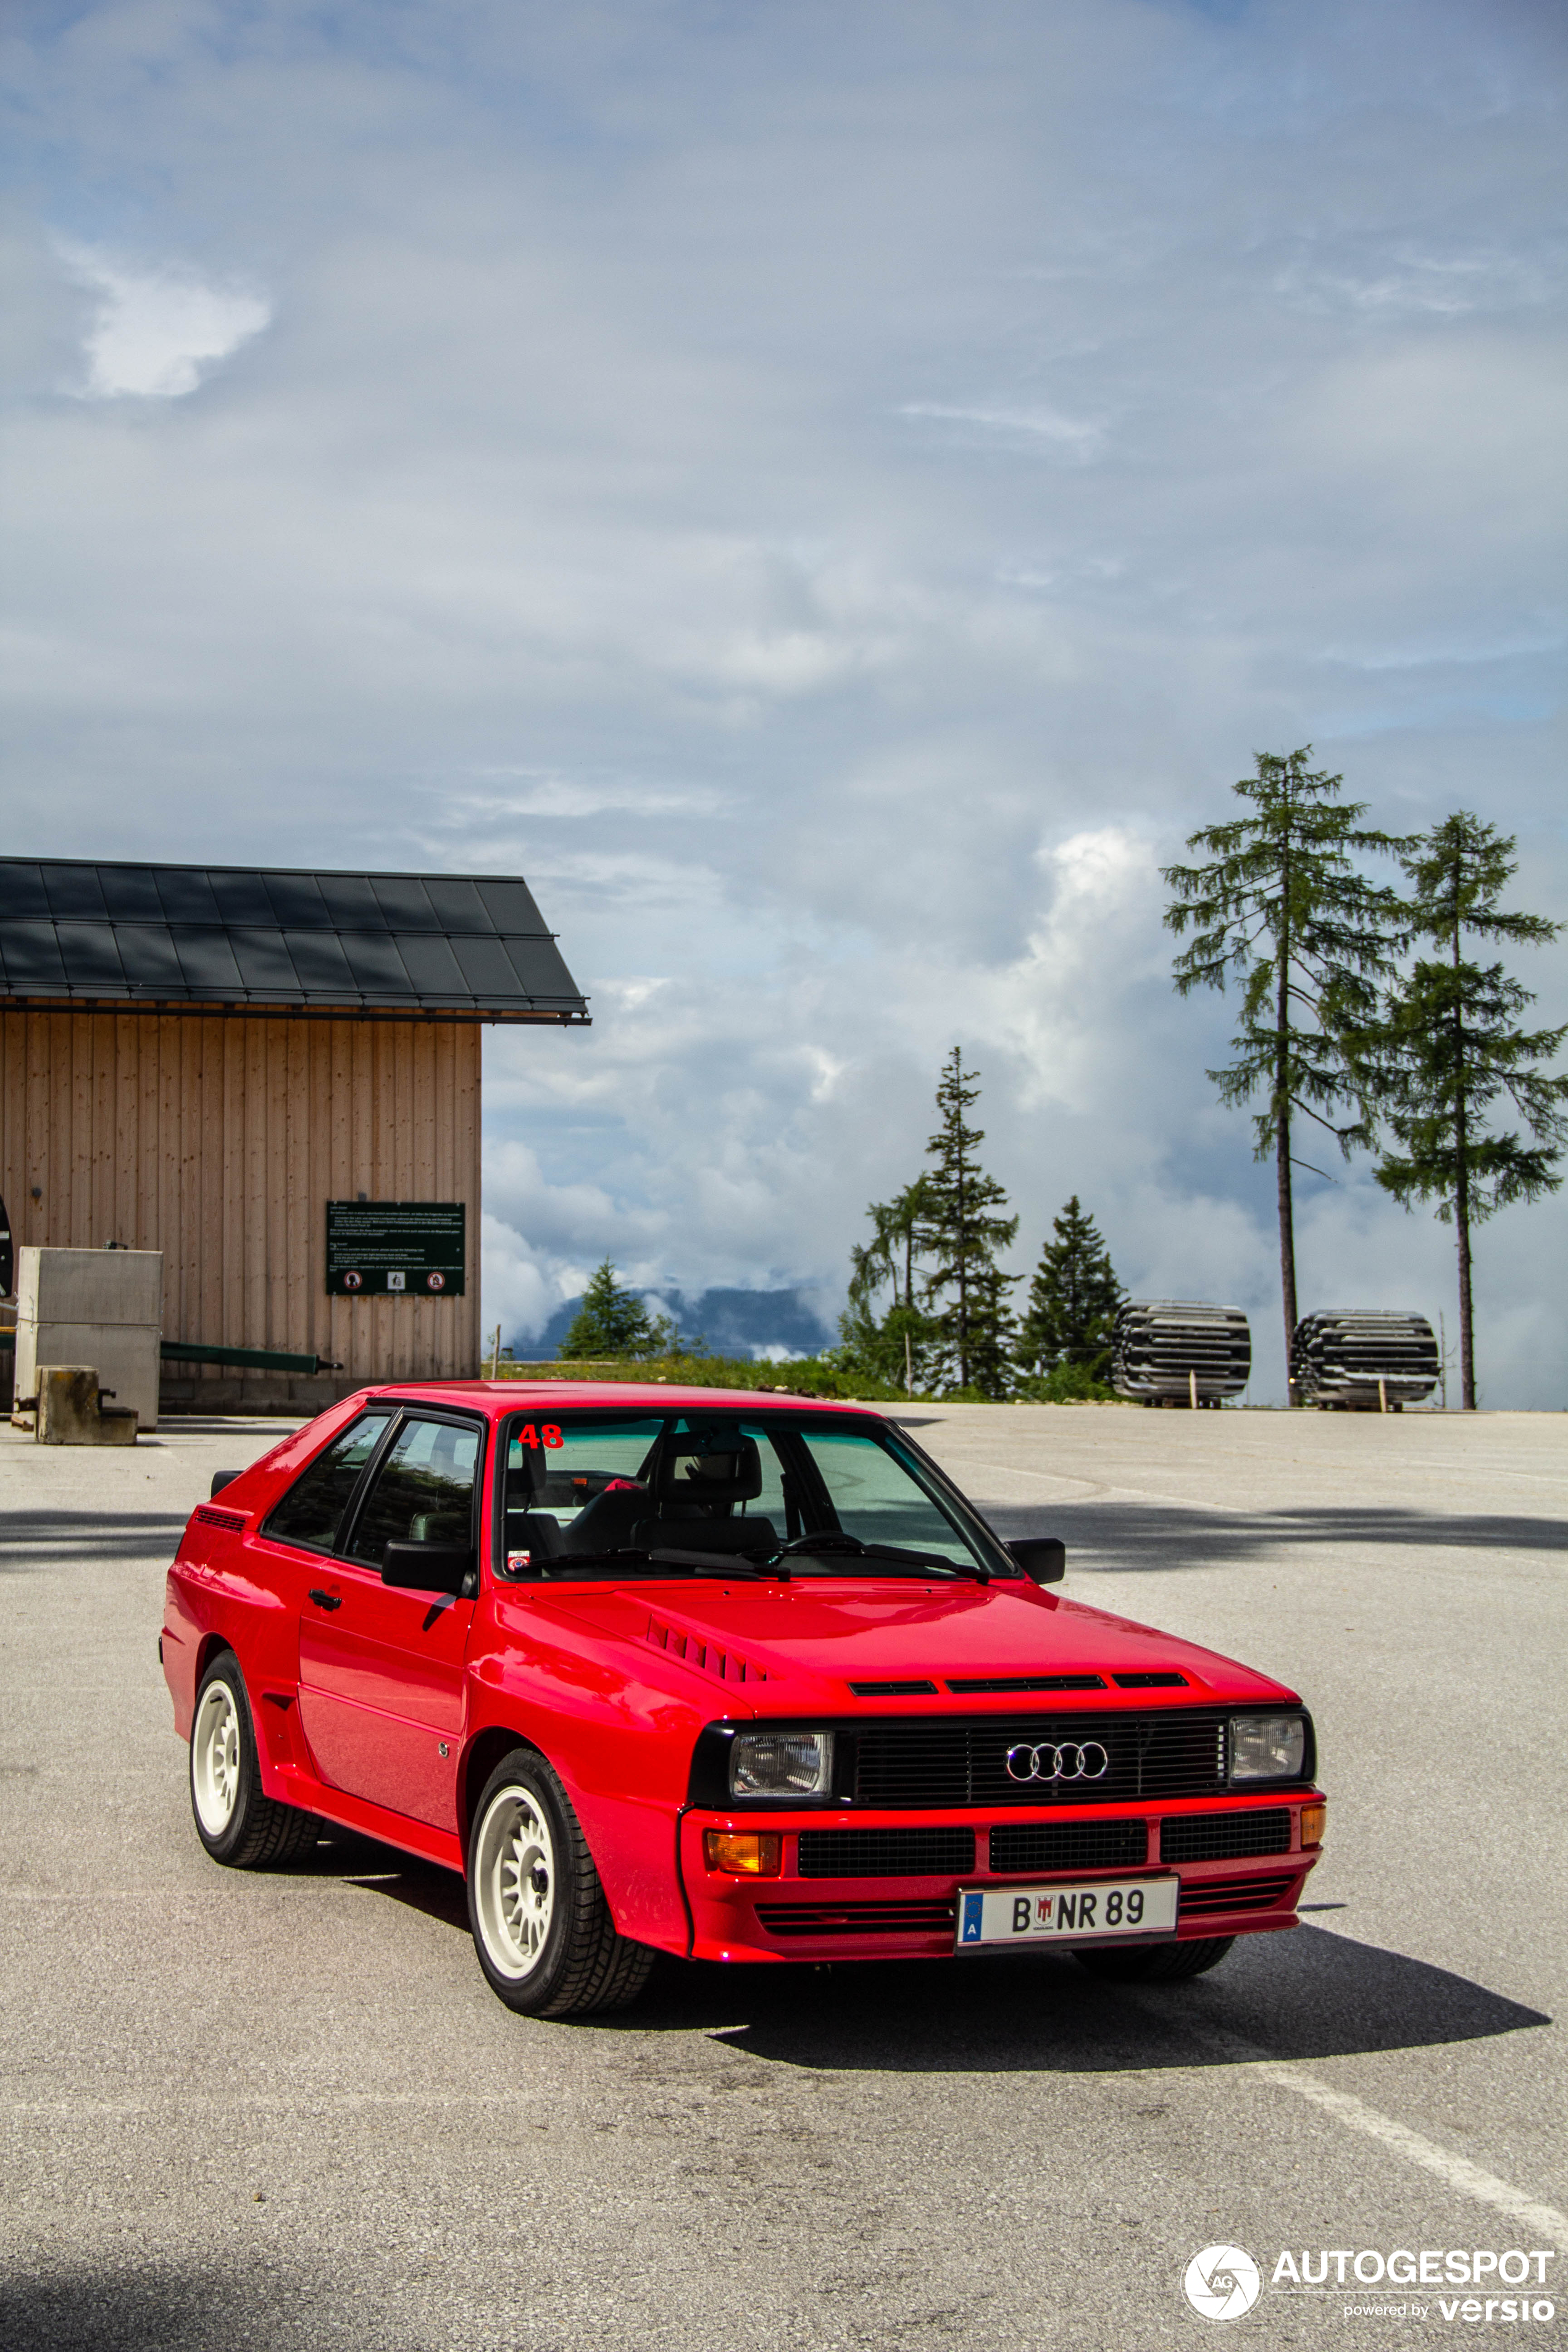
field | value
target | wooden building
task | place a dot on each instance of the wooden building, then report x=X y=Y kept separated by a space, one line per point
x=199 y=1059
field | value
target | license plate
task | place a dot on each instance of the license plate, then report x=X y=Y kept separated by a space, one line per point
x=1020 y=1914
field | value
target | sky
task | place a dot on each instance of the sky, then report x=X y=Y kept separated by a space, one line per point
x=834 y=495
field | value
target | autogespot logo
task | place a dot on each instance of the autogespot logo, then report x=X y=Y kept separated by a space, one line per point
x=1222 y=2282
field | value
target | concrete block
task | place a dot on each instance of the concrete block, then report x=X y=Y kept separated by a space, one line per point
x=93 y=1307
x=90 y=1285
x=69 y=1411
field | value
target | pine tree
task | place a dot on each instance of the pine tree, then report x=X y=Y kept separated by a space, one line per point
x=1446 y=1048
x=993 y=1329
x=1282 y=908
x=896 y=1346
x=961 y=1232
x=615 y=1322
x=897 y=1225
x=1073 y=1301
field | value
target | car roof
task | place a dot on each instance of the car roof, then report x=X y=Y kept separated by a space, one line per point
x=496 y=1397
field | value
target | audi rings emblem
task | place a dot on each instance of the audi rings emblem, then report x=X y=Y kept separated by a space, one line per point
x=1072 y=1761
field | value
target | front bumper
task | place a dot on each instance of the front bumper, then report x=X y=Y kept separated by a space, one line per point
x=806 y=1915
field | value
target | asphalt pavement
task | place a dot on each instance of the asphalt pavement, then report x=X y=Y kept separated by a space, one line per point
x=284 y=2111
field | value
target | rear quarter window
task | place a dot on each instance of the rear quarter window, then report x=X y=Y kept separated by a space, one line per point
x=312 y=1512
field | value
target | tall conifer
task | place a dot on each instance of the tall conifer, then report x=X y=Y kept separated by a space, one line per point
x=1447 y=1049
x=963 y=1230
x=1282 y=908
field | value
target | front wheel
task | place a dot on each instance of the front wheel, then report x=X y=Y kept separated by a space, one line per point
x=542 y=1927
x=236 y=1822
x=1154 y=1963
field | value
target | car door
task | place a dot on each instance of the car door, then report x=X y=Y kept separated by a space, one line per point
x=382 y=1695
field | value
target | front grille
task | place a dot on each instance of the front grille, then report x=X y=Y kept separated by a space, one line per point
x=937 y=1918
x=886 y=1854
x=1069 y=1845
x=1025 y=1683
x=1233 y=1894
x=1149 y=1682
x=1215 y=1837
x=894 y=1690
x=1177 y=1752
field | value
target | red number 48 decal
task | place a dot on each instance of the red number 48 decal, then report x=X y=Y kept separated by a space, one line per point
x=528 y=1435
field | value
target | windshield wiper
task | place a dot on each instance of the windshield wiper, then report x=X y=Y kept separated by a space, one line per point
x=912 y=1563
x=715 y=1563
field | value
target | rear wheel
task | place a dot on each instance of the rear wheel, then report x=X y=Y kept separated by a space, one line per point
x=1154 y=1963
x=236 y=1822
x=542 y=1927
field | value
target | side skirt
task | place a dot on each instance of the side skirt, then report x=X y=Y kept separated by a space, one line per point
x=294 y=1786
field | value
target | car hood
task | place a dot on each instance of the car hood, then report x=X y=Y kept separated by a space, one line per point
x=787 y=1647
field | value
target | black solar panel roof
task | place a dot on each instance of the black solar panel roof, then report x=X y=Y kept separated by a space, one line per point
x=401 y=946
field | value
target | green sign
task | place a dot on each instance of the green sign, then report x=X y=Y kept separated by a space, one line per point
x=404 y=1249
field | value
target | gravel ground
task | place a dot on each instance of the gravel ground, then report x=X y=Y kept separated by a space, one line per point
x=285 y=2111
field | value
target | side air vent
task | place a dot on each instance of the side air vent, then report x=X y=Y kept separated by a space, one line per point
x=1149 y=1682
x=969 y=1682
x=232 y=1520
x=894 y=1690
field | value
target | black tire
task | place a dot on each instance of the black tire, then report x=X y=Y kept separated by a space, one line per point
x=1153 y=1963
x=239 y=1825
x=542 y=1927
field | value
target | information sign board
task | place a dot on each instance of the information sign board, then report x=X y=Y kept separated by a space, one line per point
x=401 y=1249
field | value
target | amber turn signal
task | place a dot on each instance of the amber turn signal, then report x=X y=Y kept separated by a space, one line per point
x=1312 y=1818
x=750 y=1853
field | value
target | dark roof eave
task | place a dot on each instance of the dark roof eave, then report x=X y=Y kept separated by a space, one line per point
x=574 y=1016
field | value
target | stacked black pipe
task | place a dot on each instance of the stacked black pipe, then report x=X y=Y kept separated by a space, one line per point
x=1363 y=1357
x=1179 y=1351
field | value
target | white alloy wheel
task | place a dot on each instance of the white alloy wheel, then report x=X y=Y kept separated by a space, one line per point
x=215 y=1757
x=514 y=1882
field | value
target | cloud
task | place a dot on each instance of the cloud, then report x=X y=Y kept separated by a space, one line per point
x=1082 y=438
x=833 y=498
x=158 y=332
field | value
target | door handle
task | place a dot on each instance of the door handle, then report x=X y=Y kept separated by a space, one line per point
x=326 y=1599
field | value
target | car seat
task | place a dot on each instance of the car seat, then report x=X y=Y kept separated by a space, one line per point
x=696 y=1482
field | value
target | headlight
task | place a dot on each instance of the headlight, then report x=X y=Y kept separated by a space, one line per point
x=780 y=1764
x=1268 y=1747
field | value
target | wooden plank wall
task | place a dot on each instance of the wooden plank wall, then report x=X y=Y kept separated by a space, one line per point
x=220 y=1141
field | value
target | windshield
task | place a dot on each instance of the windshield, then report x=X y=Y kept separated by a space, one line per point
x=594 y=1493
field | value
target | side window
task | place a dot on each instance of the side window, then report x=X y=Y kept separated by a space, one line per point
x=423 y=1492
x=312 y=1511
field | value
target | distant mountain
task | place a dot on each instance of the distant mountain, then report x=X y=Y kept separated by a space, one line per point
x=733 y=1322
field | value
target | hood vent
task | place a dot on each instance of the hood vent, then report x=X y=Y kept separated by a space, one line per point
x=894 y=1690
x=706 y=1656
x=1149 y=1682
x=1026 y=1682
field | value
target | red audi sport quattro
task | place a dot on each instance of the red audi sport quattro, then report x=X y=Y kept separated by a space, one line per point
x=731 y=1677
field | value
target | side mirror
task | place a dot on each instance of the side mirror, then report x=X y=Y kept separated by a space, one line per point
x=221 y=1478
x=427 y=1567
x=1043 y=1558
